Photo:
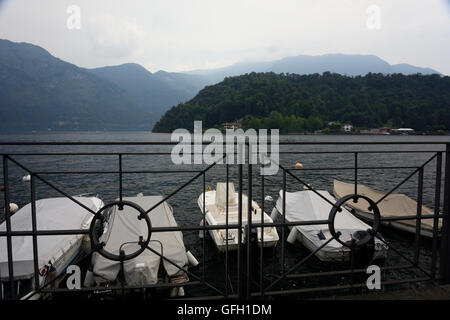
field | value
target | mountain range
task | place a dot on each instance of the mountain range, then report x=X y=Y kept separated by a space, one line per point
x=41 y=92
x=344 y=64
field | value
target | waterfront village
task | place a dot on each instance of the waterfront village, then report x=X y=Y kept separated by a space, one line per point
x=336 y=127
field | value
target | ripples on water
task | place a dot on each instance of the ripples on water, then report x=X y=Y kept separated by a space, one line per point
x=184 y=203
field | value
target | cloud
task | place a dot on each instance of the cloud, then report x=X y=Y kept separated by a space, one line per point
x=177 y=35
x=115 y=37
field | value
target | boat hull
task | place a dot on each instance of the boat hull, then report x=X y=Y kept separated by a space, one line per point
x=332 y=256
x=427 y=233
x=221 y=245
x=394 y=205
x=308 y=206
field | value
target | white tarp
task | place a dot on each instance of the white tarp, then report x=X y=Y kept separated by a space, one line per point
x=125 y=227
x=51 y=214
x=307 y=205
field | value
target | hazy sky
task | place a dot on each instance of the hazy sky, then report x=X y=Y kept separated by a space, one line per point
x=177 y=35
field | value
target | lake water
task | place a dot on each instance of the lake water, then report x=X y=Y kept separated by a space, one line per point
x=184 y=203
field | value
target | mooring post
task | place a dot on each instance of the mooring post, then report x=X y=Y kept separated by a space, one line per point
x=445 y=240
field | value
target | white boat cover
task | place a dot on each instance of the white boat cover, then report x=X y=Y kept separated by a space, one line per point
x=394 y=205
x=51 y=214
x=125 y=227
x=307 y=206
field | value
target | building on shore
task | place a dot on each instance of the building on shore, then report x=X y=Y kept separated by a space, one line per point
x=403 y=131
x=231 y=125
x=347 y=127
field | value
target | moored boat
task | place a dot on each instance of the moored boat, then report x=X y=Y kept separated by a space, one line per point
x=216 y=214
x=394 y=205
x=55 y=252
x=310 y=206
x=122 y=230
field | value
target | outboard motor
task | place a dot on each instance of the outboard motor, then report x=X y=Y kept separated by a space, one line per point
x=362 y=255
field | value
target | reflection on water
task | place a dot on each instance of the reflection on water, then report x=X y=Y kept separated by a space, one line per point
x=184 y=203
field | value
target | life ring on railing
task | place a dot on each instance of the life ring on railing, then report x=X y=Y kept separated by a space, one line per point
x=98 y=246
x=371 y=233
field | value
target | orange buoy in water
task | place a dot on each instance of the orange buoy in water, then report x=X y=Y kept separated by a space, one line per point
x=298 y=165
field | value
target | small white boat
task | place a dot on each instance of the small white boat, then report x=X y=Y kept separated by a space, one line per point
x=308 y=206
x=215 y=214
x=55 y=253
x=122 y=229
x=394 y=205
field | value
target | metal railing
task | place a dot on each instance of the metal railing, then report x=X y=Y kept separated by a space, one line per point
x=251 y=279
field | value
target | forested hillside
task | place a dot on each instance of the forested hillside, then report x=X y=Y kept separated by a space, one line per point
x=298 y=103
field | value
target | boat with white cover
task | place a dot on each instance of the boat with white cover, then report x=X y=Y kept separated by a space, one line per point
x=216 y=214
x=122 y=230
x=309 y=206
x=55 y=253
x=394 y=205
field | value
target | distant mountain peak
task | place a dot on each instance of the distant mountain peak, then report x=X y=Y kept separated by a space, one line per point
x=129 y=67
x=346 y=64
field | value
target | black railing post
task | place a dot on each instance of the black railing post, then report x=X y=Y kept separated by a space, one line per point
x=227 y=230
x=249 y=231
x=8 y=227
x=34 y=228
x=239 y=253
x=283 y=240
x=122 y=272
x=261 y=252
x=204 y=229
x=437 y=206
x=120 y=180
x=356 y=176
x=419 y=217
x=445 y=244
